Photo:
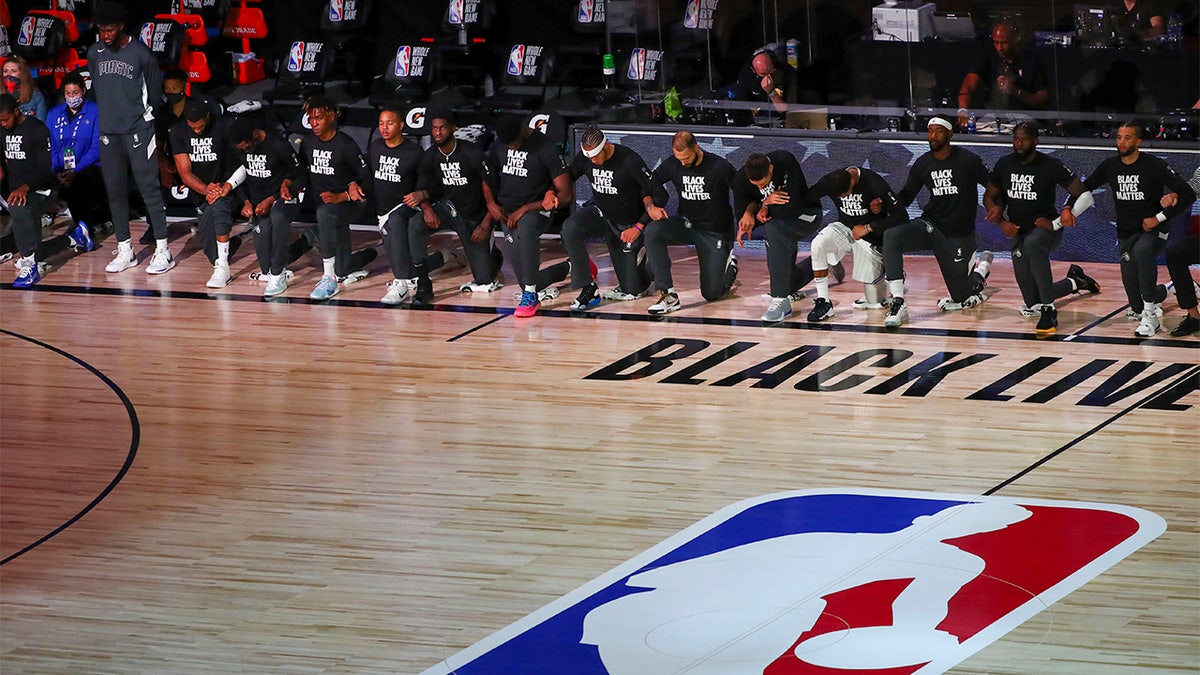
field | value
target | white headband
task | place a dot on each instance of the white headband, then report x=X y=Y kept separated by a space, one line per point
x=596 y=150
x=941 y=122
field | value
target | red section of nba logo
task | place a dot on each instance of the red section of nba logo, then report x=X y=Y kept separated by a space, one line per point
x=295 y=62
x=28 y=28
x=516 y=61
x=403 y=60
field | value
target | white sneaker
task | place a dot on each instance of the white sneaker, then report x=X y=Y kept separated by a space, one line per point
x=547 y=293
x=1150 y=323
x=897 y=315
x=161 y=261
x=357 y=275
x=482 y=288
x=948 y=305
x=862 y=303
x=123 y=258
x=398 y=292
x=1131 y=315
x=1029 y=312
x=266 y=277
x=276 y=284
x=618 y=295
x=220 y=277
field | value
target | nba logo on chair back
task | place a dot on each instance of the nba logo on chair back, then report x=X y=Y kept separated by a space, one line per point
x=27 y=31
x=454 y=14
x=403 y=60
x=691 y=15
x=586 y=9
x=637 y=64
x=822 y=582
x=295 y=62
x=516 y=61
x=335 y=10
x=146 y=35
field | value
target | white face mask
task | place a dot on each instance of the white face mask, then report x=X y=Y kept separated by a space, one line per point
x=74 y=102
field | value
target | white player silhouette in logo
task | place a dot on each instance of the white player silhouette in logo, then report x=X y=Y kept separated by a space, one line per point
x=737 y=610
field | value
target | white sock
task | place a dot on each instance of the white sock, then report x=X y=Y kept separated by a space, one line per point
x=27 y=261
x=329 y=265
x=161 y=244
x=822 y=286
x=983 y=268
x=128 y=243
x=532 y=288
x=896 y=288
x=223 y=253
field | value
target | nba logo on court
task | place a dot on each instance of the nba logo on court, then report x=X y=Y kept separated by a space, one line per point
x=516 y=60
x=637 y=64
x=403 y=59
x=335 y=10
x=822 y=582
x=295 y=62
x=28 y=28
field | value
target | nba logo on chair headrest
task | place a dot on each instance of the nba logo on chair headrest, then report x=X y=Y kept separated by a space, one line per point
x=637 y=64
x=516 y=61
x=403 y=59
x=335 y=10
x=147 y=33
x=295 y=62
x=691 y=16
x=455 y=13
x=28 y=26
x=586 y=10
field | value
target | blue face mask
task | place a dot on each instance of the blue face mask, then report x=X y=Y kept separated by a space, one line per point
x=74 y=102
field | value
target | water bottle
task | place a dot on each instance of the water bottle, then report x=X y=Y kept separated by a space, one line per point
x=971 y=124
x=489 y=87
x=610 y=70
x=793 y=53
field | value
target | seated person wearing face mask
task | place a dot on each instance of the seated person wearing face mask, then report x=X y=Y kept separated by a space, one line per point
x=75 y=161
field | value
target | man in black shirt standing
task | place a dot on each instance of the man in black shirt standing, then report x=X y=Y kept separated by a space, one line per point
x=622 y=191
x=703 y=219
x=1022 y=188
x=201 y=159
x=335 y=170
x=771 y=189
x=454 y=171
x=1138 y=181
x=863 y=200
x=531 y=181
x=25 y=163
x=946 y=225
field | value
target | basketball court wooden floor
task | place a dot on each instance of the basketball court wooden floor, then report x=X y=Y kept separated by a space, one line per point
x=199 y=482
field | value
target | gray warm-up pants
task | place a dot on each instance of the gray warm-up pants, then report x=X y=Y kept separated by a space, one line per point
x=1139 y=267
x=783 y=234
x=589 y=222
x=955 y=255
x=121 y=155
x=271 y=237
x=1031 y=267
x=479 y=256
x=216 y=220
x=27 y=222
x=713 y=250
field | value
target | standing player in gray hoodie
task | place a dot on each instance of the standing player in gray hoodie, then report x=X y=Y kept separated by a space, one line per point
x=126 y=79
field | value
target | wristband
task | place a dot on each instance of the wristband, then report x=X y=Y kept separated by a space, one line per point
x=639 y=226
x=1160 y=217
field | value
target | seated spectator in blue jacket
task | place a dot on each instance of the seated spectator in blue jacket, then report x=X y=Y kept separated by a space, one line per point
x=75 y=160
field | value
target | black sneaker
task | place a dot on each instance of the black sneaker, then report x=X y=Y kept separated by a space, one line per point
x=821 y=311
x=589 y=297
x=1082 y=281
x=1049 y=321
x=1189 y=325
x=424 y=294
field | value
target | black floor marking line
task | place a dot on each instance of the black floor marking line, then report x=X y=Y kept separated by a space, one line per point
x=134 y=440
x=672 y=318
x=1075 y=335
x=1193 y=372
x=481 y=326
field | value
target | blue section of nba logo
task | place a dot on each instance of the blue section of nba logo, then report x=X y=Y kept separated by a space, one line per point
x=553 y=646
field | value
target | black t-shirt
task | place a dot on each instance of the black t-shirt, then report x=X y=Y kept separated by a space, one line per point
x=209 y=150
x=1027 y=190
x=457 y=177
x=27 y=155
x=1027 y=70
x=525 y=174
x=855 y=208
x=267 y=165
x=786 y=175
x=330 y=166
x=618 y=185
x=1137 y=189
x=703 y=191
x=395 y=172
x=165 y=119
x=952 y=183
